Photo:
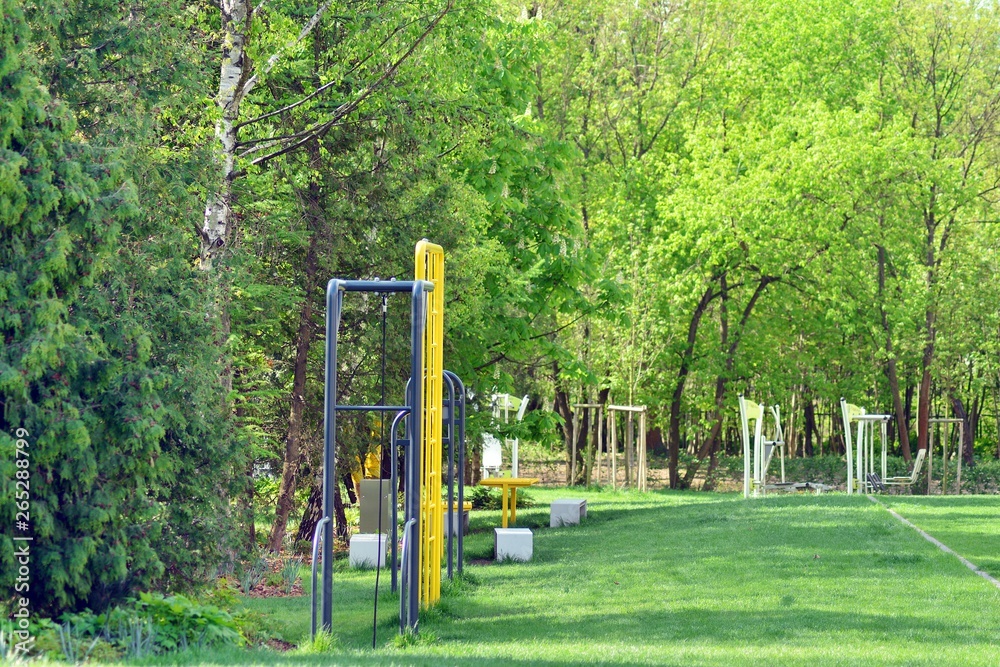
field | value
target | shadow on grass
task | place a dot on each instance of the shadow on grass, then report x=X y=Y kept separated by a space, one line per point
x=415 y=656
x=669 y=570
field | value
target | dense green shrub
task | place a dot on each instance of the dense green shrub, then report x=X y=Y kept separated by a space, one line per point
x=486 y=498
x=109 y=366
x=982 y=477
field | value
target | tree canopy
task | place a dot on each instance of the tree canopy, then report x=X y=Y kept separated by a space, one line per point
x=666 y=204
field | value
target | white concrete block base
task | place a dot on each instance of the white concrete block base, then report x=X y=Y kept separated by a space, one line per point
x=567 y=511
x=513 y=543
x=367 y=549
x=451 y=521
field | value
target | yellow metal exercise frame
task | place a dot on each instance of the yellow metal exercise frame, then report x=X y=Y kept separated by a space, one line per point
x=429 y=261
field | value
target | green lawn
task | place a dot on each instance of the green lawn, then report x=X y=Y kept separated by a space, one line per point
x=968 y=524
x=684 y=579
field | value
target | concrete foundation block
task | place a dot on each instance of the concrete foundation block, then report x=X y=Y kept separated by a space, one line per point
x=513 y=543
x=567 y=511
x=368 y=550
x=451 y=521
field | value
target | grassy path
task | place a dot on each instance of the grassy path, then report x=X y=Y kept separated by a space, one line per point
x=682 y=579
x=968 y=524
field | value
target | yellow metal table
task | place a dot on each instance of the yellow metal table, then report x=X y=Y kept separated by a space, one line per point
x=508 y=489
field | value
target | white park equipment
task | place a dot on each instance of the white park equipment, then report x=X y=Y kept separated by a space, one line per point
x=502 y=405
x=860 y=449
x=758 y=452
x=756 y=463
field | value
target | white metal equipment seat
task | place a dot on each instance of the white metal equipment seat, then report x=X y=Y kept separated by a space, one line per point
x=902 y=480
x=912 y=477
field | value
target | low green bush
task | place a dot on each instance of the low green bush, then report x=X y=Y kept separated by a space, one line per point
x=486 y=498
x=981 y=477
x=151 y=625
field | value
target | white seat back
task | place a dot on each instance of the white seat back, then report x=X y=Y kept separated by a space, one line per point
x=492 y=454
x=917 y=463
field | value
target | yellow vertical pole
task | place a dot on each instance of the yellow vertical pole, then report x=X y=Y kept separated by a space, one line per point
x=429 y=261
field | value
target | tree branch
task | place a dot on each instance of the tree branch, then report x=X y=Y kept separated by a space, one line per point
x=273 y=60
x=345 y=109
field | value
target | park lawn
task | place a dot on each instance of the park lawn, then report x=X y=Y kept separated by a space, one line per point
x=968 y=524
x=676 y=579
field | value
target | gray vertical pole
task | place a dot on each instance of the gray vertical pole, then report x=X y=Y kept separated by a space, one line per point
x=394 y=484
x=412 y=509
x=333 y=303
x=460 y=463
x=451 y=474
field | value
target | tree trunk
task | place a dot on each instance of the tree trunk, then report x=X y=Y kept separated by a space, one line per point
x=731 y=345
x=687 y=356
x=930 y=323
x=582 y=438
x=809 y=416
x=311 y=515
x=563 y=409
x=235 y=72
x=967 y=436
x=314 y=512
x=891 y=371
x=296 y=413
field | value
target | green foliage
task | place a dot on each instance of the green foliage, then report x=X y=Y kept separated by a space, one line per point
x=983 y=477
x=58 y=230
x=151 y=625
x=106 y=343
x=410 y=639
x=252 y=572
x=487 y=498
x=323 y=642
x=290 y=571
x=180 y=622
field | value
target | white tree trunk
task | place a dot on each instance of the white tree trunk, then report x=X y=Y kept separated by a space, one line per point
x=236 y=69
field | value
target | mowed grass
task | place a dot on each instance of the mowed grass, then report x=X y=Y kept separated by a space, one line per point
x=676 y=579
x=968 y=524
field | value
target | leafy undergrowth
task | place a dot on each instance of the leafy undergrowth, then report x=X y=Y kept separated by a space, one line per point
x=670 y=579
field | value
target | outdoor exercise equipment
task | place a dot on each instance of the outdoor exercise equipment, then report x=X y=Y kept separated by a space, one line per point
x=934 y=423
x=758 y=452
x=634 y=446
x=428 y=425
x=502 y=405
x=860 y=450
x=903 y=480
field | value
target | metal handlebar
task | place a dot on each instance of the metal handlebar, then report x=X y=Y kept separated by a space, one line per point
x=403 y=590
x=315 y=556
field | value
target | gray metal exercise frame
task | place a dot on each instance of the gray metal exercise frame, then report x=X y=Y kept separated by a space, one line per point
x=335 y=291
x=454 y=434
x=455 y=421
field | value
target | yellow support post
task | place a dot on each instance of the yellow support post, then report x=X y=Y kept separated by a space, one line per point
x=429 y=260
